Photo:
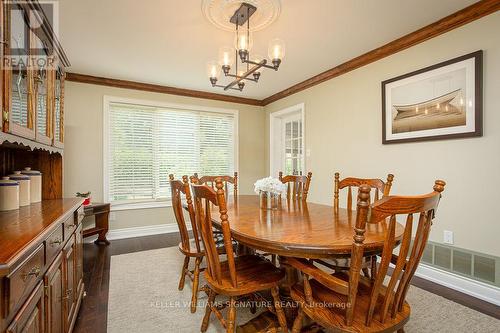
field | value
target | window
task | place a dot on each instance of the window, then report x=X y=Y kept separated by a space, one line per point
x=145 y=143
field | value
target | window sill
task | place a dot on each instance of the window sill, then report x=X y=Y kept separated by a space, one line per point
x=140 y=205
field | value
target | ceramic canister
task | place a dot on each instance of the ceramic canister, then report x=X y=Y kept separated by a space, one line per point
x=9 y=194
x=35 y=184
x=24 y=187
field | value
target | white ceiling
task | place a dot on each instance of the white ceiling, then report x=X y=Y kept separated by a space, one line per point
x=168 y=42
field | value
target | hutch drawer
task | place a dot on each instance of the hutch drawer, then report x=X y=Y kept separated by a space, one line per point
x=69 y=227
x=54 y=243
x=24 y=277
x=31 y=317
x=79 y=215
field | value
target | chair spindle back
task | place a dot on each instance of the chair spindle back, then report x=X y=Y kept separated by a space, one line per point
x=210 y=181
x=377 y=184
x=177 y=187
x=388 y=300
x=204 y=197
x=297 y=185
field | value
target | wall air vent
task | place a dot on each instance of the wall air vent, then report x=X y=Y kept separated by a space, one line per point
x=474 y=265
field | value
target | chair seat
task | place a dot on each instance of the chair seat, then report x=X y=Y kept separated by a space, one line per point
x=329 y=308
x=253 y=273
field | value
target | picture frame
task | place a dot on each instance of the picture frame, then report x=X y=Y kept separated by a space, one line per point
x=443 y=101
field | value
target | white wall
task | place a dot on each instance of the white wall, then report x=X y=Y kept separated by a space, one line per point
x=83 y=147
x=343 y=132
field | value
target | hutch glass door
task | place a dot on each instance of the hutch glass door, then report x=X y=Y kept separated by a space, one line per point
x=58 y=109
x=20 y=110
x=42 y=94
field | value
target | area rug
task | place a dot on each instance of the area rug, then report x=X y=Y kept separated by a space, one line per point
x=143 y=297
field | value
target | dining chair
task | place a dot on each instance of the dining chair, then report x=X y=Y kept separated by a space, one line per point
x=297 y=188
x=379 y=187
x=355 y=303
x=297 y=185
x=210 y=181
x=233 y=277
x=191 y=248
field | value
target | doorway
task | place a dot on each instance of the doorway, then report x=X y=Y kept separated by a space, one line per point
x=287 y=144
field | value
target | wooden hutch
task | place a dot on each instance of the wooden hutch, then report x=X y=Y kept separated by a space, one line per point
x=41 y=248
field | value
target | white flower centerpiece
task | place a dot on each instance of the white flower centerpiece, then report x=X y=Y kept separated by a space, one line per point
x=269 y=190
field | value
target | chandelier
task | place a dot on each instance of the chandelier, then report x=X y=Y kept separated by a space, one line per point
x=246 y=67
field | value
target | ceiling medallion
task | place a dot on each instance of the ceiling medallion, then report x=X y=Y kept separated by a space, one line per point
x=246 y=66
x=219 y=12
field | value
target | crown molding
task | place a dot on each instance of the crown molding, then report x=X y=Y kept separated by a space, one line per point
x=103 y=81
x=448 y=23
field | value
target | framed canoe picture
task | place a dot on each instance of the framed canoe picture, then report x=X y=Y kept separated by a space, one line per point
x=443 y=101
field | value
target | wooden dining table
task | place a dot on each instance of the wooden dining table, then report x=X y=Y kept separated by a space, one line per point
x=297 y=229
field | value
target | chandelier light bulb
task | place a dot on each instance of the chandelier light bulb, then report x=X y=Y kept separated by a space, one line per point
x=226 y=56
x=243 y=40
x=243 y=43
x=276 y=49
x=213 y=69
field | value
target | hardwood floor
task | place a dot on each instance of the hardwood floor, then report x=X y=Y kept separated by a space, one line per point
x=96 y=264
x=94 y=310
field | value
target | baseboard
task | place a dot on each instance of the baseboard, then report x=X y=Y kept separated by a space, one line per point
x=138 y=232
x=459 y=283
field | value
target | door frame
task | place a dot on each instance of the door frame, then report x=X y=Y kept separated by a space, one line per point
x=274 y=121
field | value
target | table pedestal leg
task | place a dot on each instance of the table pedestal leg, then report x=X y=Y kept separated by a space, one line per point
x=292 y=276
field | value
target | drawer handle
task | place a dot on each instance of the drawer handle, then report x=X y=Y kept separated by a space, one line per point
x=69 y=226
x=35 y=271
x=58 y=241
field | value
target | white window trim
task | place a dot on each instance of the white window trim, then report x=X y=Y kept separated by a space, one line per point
x=275 y=117
x=107 y=100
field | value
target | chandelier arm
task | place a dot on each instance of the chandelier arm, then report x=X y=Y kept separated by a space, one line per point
x=246 y=74
x=263 y=63
x=243 y=78
x=221 y=86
